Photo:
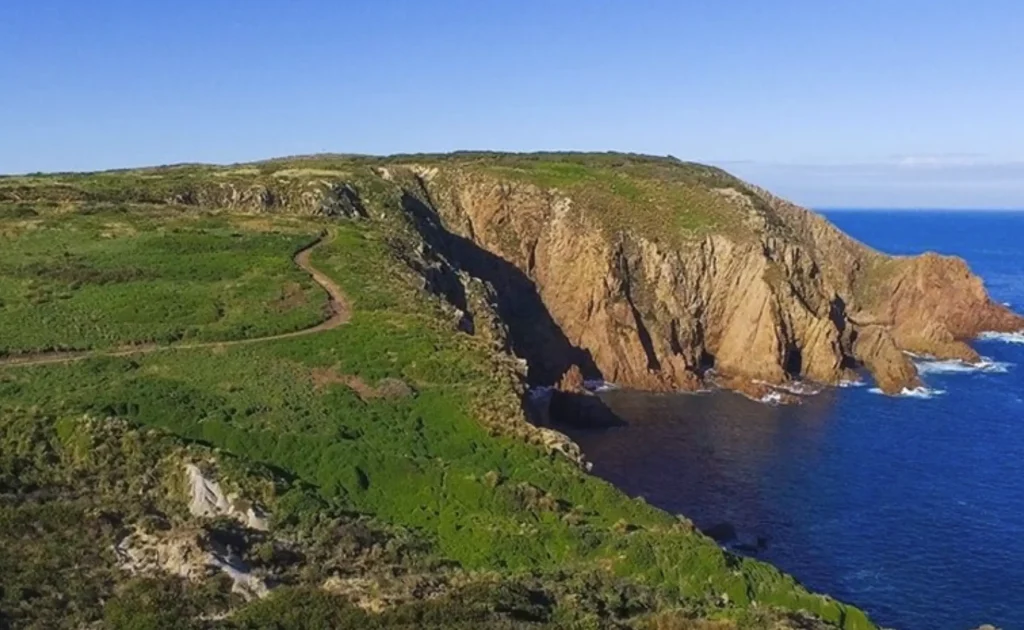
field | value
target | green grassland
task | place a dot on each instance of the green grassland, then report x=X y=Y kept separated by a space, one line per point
x=658 y=202
x=662 y=198
x=439 y=462
x=99 y=281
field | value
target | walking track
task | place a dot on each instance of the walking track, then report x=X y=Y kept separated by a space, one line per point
x=339 y=313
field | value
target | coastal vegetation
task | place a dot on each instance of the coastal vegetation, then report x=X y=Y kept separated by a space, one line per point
x=403 y=484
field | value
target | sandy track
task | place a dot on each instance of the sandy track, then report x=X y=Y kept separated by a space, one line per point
x=339 y=312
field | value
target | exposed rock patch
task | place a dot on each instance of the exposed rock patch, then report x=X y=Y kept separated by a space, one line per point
x=189 y=553
x=557 y=442
x=207 y=499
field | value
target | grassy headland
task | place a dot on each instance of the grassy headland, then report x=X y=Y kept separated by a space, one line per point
x=396 y=424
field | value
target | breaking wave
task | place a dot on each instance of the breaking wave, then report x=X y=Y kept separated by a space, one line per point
x=1005 y=337
x=771 y=398
x=917 y=392
x=955 y=366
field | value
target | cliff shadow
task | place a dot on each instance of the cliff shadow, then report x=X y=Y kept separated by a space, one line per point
x=534 y=335
x=847 y=335
x=581 y=411
x=561 y=410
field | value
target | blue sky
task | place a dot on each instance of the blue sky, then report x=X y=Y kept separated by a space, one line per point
x=869 y=103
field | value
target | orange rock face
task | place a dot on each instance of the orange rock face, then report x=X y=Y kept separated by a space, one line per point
x=572 y=381
x=780 y=294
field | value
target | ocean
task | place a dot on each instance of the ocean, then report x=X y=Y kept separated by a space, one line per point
x=911 y=508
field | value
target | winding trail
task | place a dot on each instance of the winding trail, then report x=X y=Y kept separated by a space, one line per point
x=339 y=312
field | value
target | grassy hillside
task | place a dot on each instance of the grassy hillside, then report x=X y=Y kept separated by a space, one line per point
x=396 y=423
x=98 y=281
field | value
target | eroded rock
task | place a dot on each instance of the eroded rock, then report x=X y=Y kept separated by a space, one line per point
x=207 y=499
x=779 y=295
x=189 y=553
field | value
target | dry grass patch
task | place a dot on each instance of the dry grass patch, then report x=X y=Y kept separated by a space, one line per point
x=292 y=296
x=385 y=389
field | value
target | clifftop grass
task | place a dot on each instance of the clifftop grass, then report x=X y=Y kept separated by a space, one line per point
x=661 y=198
x=75 y=281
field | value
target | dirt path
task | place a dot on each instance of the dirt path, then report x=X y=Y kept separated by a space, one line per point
x=337 y=304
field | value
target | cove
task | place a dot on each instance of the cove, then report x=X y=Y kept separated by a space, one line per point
x=909 y=507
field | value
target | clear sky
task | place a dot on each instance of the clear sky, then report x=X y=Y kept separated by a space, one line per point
x=831 y=103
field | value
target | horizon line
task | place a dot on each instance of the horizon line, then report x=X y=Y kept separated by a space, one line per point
x=817 y=208
x=485 y=152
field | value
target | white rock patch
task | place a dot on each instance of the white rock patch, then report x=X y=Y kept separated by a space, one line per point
x=208 y=500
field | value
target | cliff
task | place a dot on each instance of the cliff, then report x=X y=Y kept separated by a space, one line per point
x=662 y=275
x=648 y=272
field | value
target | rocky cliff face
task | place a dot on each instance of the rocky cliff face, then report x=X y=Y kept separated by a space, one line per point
x=770 y=294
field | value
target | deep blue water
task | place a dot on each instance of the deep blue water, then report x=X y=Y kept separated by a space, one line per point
x=912 y=509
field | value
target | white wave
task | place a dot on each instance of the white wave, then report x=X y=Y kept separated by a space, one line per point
x=857 y=383
x=771 y=398
x=539 y=393
x=956 y=366
x=801 y=389
x=598 y=385
x=920 y=357
x=917 y=392
x=797 y=388
x=1005 y=337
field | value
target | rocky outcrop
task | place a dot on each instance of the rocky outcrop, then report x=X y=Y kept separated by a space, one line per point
x=312 y=197
x=207 y=499
x=187 y=552
x=573 y=404
x=194 y=550
x=776 y=295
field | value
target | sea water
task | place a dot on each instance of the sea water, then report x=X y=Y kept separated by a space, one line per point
x=910 y=507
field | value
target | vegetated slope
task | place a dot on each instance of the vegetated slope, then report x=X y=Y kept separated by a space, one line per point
x=648 y=272
x=79 y=282
x=397 y=429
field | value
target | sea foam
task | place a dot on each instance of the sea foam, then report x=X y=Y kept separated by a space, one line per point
x=771 y=398
x=916 y=392
x=1005 y=337
x=954 y=366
